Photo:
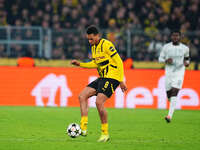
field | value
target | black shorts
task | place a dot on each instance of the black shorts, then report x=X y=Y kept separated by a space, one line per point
x=106 y=86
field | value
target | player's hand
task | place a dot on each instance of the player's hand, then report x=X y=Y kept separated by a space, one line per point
x=169 y=61
x=123 y=86
x=75 y=62
x=186 y=64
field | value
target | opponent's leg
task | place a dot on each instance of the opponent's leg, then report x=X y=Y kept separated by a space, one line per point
x=173 y=100
x=83 y=100
x=100 y=100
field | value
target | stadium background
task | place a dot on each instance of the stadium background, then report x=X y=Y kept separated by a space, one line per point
x=54 y=29
x=52 y=32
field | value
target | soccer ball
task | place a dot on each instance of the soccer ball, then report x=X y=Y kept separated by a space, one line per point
x=73 y=130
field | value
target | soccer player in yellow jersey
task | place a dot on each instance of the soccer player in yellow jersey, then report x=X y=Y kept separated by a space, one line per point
x=110 y=68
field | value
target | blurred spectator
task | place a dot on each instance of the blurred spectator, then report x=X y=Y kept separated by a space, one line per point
x=58 y=53
x=151 y=30
x=3 y=18
x=150 y=20
x=16 y=50
x=77 y=53
x=2 y=51
x=39 y=17
x=163 y=23
x=193 y=14
x=196 y=57
x=25 y=15
x=70 y=11
x=193 y=52
x=29 y=35
x=136 y=48
x=33 y=50
x=58 y=50
x=112 y=31
x=166 y=5
x=152 y=16
x=120 y=17
x=155 y=46
x=127 y=61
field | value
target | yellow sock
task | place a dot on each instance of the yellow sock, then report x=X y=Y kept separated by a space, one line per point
x=104 y=128
x=84 y=122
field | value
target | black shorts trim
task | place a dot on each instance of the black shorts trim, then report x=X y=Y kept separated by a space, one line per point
x=106 y=86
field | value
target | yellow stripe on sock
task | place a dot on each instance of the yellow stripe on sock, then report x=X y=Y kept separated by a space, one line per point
x=84 y=119
x=104 y=128
x=84 y=122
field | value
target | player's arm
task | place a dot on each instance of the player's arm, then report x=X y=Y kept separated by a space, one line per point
x=90 y=64
x=110 y=49
x=116 y=58
x=162 y=57
x=187 y=58
x=112 y=52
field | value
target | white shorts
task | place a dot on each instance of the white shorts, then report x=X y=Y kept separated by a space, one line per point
x=175 y=82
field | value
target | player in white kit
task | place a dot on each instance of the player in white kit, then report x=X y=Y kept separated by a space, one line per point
x=175 y=55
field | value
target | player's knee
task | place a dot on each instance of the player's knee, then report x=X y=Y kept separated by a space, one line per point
x=81 y=97
x=99 y=103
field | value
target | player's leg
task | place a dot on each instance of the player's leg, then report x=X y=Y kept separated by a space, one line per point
x=173 y=100
x=168 y=82
x=167 y=118
x=86 y=93
x=106 y=88
x=176 y=83
x=83 y=100
x=100 y=100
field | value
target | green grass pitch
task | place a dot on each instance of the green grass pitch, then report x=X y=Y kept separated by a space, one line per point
x=36 y=128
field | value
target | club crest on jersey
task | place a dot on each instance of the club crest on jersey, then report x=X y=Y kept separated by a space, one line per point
x=112 y=49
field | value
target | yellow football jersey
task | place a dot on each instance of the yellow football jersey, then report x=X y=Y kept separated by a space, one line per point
x=107 y=61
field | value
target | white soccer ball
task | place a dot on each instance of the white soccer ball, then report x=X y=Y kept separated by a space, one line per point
x=73 y=130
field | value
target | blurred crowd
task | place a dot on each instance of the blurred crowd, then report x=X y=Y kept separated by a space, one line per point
x=148 y=21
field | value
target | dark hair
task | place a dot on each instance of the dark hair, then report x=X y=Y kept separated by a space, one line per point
x=92 y=30
x=175 y=31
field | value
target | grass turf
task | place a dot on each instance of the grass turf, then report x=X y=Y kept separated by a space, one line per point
x=36 y=128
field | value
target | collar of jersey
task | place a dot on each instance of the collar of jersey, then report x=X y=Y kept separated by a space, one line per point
x=98 y=43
